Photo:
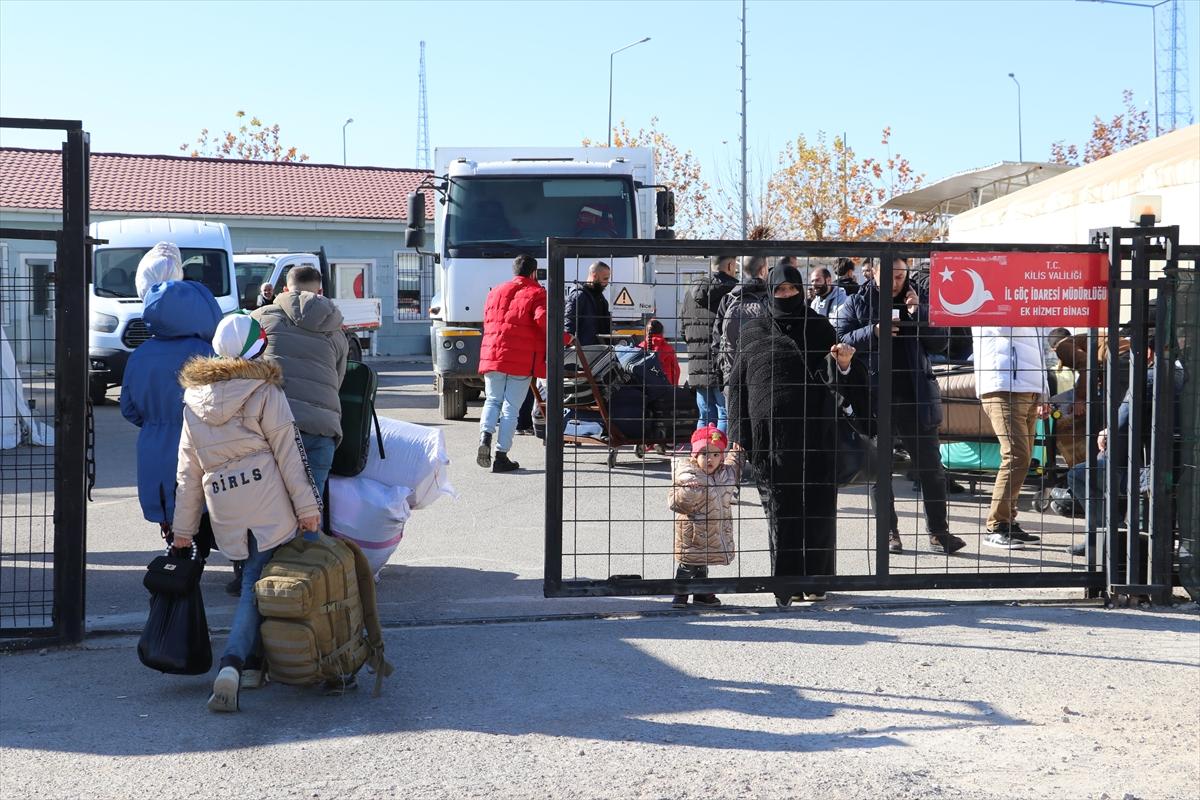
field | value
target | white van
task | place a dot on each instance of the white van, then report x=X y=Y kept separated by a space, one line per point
x=116 y=326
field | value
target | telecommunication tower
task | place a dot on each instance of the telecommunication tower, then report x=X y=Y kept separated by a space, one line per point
x=423 y=160
x=1175 y=106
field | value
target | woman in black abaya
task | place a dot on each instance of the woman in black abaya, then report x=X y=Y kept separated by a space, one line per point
x=784 y=417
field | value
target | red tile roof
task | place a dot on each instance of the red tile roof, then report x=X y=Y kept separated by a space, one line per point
x=182 y=186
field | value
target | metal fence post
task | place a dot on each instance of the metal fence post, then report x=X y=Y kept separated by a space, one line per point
x=555 y=311
x=884 y=508
x=70 y=393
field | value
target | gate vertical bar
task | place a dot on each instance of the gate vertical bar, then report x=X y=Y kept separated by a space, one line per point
x=70 y=393
x=555 y=311
x=1163 y=469
x=1112 y=398
x=883 y=475
x=1135 y=557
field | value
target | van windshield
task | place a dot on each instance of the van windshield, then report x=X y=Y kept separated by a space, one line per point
x=116 y=268
x=518 y=214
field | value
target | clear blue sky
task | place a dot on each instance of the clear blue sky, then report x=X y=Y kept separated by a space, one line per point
x=146 y=77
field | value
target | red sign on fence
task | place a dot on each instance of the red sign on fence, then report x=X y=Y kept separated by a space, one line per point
x=1030 y=289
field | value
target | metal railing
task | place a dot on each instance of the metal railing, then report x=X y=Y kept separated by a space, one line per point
x=43 y=475
x=609 y=530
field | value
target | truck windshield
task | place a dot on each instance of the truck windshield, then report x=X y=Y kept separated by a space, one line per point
x=116 y=269
x=519 y=213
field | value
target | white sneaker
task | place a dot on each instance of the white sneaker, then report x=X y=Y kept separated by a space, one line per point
x=1003 y=541
x=225 y=690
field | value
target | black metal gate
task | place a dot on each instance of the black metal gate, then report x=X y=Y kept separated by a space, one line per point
x=609 y=531
x=43 y=473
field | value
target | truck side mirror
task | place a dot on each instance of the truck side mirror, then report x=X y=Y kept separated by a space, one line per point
x=665 y=206
x=414 y=233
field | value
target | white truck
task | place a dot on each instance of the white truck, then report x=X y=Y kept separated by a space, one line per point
x=116 y=326
x=361 y=316
x=495 y=203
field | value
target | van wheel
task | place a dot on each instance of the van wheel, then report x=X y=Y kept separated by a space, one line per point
x=452 y=400
x=355 y=353
x=97 y=391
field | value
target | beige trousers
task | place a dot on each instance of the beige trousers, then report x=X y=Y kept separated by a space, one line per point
x=1014 y=419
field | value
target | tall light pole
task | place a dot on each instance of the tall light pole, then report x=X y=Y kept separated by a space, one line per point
x=1020 y=138
x=1153 y=43
x=347 y=122
x=610 y=81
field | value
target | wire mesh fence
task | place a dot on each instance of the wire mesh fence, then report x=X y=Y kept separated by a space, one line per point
x=27 y=453
x=929 y=456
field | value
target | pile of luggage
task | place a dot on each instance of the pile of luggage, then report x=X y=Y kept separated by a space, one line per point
x=634 y=391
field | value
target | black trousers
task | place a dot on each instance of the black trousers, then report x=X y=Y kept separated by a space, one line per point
x=922 y=446
x=801 y=523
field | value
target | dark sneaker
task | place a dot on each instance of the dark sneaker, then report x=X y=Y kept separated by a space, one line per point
x=894 y=543
x=945 y=543
x=224 y=696
x=954 y=487
x=483 y=456
x=708 y=600
x=234 y=587
x=525 y=432
x=502 y=463
x=1001 y=539
x=679 y=601
x=1015 y=532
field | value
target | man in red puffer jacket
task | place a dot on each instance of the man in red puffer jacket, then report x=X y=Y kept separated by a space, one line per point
x=513 y=351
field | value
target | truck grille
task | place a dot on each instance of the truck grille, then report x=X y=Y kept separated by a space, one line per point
x=136 y=332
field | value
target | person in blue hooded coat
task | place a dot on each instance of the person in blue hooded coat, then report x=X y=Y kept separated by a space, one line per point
x=182 y=317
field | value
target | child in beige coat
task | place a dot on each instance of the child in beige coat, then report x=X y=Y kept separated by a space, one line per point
x=241 y=456
x=703 y=488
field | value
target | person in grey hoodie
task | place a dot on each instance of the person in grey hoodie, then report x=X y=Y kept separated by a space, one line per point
x=305 y=338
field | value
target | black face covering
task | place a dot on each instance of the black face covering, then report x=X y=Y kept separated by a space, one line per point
x=811 y=332
x=785 y=309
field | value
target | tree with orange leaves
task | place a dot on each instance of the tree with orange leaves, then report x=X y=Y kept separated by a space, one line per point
x=824 y=191
x=1124 y=130
x=252 y=141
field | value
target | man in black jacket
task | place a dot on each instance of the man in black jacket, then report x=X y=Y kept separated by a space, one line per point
x=750 y=300
x=916 y=400
x=588 y=317
x=697 y=310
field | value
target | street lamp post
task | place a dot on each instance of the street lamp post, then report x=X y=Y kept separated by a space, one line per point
x=610 y=82
x=347 y=122
x=1020 y=138
x=1153 y=43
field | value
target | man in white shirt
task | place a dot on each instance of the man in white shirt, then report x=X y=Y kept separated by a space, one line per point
x=827 y=296
x=1010 y=379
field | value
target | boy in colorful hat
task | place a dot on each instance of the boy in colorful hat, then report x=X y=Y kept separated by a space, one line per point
x=703 y=488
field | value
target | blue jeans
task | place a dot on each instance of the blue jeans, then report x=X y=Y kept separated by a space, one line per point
x=710 y=401
x=244 y=638
x=503 y=395
x=320 y=451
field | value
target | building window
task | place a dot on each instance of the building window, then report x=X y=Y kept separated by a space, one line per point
x=414 y=279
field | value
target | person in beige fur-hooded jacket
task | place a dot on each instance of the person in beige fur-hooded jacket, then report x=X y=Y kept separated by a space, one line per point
x=241 y=455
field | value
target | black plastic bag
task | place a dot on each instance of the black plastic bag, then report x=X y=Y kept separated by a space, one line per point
x=175 y=639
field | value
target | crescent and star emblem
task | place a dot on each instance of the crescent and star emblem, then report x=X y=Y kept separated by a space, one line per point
x=979 y=294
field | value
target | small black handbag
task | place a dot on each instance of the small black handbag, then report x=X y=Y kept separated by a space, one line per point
x=175 y=639
x=856 y=457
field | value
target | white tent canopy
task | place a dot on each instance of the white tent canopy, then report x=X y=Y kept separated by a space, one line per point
x=1064 y=208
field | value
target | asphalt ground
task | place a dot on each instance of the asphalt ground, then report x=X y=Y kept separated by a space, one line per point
x=500 y=692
